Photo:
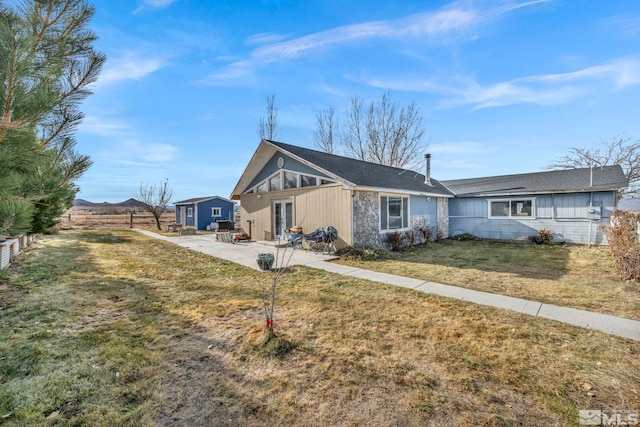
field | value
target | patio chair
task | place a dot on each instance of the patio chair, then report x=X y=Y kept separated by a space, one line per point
x=321 y=240
x=294 y=239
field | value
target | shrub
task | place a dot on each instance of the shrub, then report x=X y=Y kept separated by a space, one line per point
x=466 y=236
x=544 y=237
x=410 y=237
x=395 y=240
x=361 y=253
x=428 y=233
x=624 y=242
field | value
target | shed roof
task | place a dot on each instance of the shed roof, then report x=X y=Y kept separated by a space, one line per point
x=200 y=200
x=558 y=181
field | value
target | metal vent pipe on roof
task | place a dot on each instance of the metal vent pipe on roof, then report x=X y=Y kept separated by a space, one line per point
x=427 y=175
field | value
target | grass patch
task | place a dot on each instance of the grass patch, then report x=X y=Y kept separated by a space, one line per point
x=113 y=328
x=573 y=276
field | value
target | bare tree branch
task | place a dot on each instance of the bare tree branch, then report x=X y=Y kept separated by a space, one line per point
x=326 y=131
x=268 y=126
x=621 y=151
x=383 y=132
x=155 y=199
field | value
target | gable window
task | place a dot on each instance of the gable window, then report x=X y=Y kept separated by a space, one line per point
x=284 y=180
x=308 y=181
x=275 y=183
x=216 y=212
x=511 y=208
x=290 y=180
x=394 y=212
x=190 y=212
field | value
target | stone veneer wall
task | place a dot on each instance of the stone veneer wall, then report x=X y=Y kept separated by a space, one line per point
x=366 y=219
x=442 y=217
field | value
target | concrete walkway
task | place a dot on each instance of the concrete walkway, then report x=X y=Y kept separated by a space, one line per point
x=245 y=254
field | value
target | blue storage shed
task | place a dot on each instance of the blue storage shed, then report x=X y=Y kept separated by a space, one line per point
x=202 y=212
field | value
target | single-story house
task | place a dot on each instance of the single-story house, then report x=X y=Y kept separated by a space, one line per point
x=571 y=203
x=285 y=185
x=203 y=212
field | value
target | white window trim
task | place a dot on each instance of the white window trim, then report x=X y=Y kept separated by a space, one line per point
x=189 y=212
x=395 y=196
x=513 y=199
x=281 y=172
x=213 y=212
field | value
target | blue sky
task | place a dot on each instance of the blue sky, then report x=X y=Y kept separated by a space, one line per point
x=504 y=86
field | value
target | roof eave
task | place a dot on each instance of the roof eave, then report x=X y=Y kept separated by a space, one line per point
x=523 y=193
x=312 y=165
x=400 y=191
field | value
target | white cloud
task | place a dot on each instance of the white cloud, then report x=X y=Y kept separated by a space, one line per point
x=134 y=152
x=99 y=126
x=126 y=145
x=129 y=66
x=153 y=4
x=544 y=89
x=450 y=21
x=625 y=25
x=264 y=38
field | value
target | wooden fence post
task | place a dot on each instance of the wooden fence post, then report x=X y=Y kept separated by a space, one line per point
x=131 y=221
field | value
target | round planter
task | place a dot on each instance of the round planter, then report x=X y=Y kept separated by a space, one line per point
x=265 y=261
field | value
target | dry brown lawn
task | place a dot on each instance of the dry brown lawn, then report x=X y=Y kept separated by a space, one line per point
x=113 y=328
x=567 y=275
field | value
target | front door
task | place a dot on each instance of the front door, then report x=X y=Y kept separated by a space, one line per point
x=282 y=217
x=183 y=215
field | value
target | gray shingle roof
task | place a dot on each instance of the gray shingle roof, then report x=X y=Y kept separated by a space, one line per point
x=199 y=199
x=365 y=174
x=559 y=181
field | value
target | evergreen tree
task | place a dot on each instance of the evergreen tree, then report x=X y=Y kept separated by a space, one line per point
x=47 y=62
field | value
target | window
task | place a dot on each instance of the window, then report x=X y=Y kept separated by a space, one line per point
x=216 y=212
x=190 y=212
x=308 y=181
x=275 y=183
x=287 y=179
x=290 y=180
x=516 y=208
x=394 y=213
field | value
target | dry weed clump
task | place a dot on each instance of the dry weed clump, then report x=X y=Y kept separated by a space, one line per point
x=623 y=235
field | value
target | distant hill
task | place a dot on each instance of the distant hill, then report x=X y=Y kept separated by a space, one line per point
x=130 y=203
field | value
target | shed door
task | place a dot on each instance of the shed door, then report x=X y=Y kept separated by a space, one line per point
x=282 y=217
x=183 y=215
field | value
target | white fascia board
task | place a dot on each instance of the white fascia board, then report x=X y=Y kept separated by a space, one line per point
x=400 y=191
x=259 y=159
x=526 y=193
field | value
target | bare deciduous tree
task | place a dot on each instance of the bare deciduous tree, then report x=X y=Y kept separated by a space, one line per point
x=268 y=126
x=381 y=132
x=621 y=151
x=155 y=199
x=326 y=131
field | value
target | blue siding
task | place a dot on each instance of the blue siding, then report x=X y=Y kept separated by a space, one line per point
x=564 y=214
x=205 y=209
x=289 y=164
x=203 y=212
x=420 y=206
